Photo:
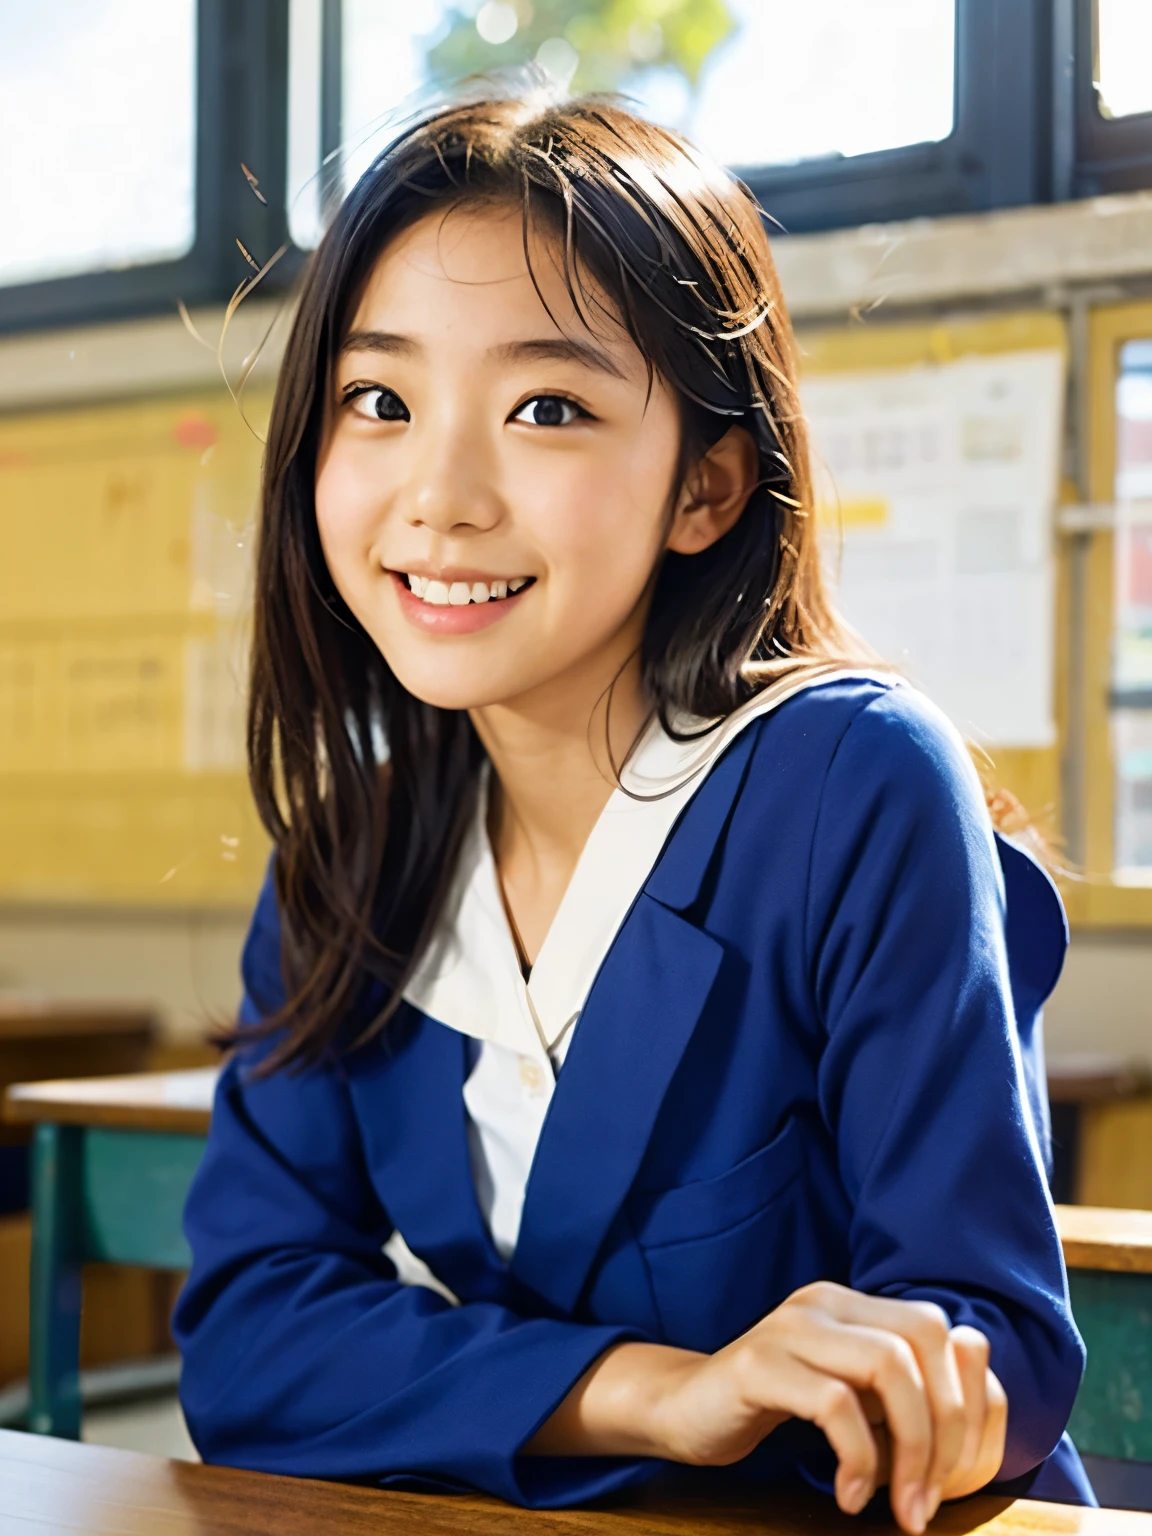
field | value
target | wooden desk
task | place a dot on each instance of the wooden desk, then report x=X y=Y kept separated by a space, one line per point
x=158 y=1102
x=56 y=1488
x=42 y=1039
x=1096 y=1237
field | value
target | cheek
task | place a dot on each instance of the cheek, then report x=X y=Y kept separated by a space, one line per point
x=605 y=519
x=346 y=518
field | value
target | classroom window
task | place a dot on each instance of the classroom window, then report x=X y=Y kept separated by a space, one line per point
x=1132 y=644
x=86 y=85
x=758 y=82
x=1123 y=52
x=305 y=105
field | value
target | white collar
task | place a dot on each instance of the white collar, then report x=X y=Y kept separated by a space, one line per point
x=469 y=977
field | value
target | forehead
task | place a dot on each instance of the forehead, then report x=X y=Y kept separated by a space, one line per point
x=475 y=265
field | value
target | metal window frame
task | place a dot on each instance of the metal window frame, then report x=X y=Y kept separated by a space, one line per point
x=1028 y=129
x=1111 y=154
x=241 y=115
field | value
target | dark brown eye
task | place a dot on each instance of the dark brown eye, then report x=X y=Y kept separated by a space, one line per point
x=382 y=404
x=548 y=411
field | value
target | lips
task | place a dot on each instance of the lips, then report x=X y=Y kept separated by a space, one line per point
x=463 y=606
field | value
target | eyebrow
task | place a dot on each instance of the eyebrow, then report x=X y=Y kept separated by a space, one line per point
x=557 y=349
x=379 y=341
x=560 y=349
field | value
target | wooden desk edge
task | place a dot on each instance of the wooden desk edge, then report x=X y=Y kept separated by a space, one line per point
x=47 y=1103
x=1098 y=1237
x=94 y=1488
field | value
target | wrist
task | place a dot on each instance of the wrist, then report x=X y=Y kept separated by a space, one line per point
x=653 y=1386
x=622 y=1406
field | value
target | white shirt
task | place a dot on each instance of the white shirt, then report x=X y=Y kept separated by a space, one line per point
x=470 y=978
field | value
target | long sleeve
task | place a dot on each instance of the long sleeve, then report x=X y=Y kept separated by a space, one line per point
x=921 y=1075
x=303 y=1354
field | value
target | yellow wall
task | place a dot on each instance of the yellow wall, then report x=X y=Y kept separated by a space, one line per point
x=124 y=572
x=125 y=548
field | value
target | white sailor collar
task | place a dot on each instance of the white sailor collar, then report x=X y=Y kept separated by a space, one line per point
x=469 y=977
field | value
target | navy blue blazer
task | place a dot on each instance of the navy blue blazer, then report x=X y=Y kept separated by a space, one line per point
x=812 y=1051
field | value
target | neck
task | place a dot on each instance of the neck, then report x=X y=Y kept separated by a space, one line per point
x=552 y=754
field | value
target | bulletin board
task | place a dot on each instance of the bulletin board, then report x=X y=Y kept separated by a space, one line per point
x=125 y=595
x=970 y=359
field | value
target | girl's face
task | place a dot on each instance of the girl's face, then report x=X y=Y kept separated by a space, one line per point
x=496 y=487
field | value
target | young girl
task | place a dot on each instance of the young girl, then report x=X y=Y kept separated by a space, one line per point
x=638 y=971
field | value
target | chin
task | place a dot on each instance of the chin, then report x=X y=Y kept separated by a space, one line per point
x=444 y=691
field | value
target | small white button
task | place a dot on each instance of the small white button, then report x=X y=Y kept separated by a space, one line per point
x=531 y=1076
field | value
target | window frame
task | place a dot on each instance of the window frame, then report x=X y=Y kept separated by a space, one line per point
x=1027 y=130
x=1111 y=154
x=1098 y=899
x=241 y=107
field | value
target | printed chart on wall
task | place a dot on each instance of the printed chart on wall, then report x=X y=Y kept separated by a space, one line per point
x=936 y=486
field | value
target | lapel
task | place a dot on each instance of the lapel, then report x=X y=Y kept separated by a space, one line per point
x=635 y=1026
x=407 y=1092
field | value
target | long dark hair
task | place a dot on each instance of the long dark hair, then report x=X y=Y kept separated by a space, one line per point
x=675 y=248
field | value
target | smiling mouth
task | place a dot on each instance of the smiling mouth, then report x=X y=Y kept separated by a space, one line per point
x=458 y=594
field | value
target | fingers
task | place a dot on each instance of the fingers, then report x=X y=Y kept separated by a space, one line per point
x=901 y=1366
x=987 y=1405
x=917 y=1378
x=971 y=1350
x=829 y=1402
x=885 y=1364
x=991 y=1455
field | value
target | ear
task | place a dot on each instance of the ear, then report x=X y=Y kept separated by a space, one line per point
x=715 y=493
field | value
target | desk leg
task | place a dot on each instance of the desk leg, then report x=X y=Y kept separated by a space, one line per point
x=57 y=1245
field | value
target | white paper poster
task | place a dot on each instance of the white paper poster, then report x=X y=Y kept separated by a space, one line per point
x=937 y=486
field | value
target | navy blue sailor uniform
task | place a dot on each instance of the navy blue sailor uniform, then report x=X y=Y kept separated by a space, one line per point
x=806 y=1044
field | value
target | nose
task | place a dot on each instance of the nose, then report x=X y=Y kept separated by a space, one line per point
x=451 y=488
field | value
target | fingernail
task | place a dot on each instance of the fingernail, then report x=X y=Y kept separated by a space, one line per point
x=916 y=1518
x=856 y=1495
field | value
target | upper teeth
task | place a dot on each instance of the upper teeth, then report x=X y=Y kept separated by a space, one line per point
x=460 y=592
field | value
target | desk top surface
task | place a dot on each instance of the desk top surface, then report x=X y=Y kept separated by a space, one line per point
x=150 y=1101
x=51 y=1487
x=1098 y=1237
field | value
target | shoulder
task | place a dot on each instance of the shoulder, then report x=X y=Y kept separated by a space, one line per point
x=879 y=731
x=859 y=768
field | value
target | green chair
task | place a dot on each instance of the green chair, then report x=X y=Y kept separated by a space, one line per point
x=112 y=1160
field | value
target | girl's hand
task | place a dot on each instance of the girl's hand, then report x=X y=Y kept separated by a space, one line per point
x=847 y=1361
x=901 y=1395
